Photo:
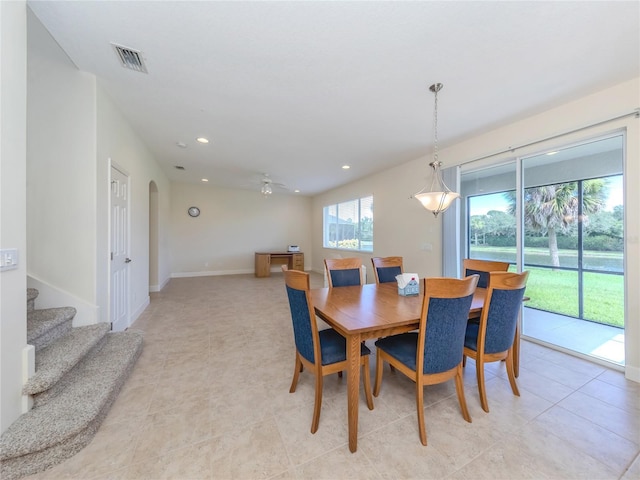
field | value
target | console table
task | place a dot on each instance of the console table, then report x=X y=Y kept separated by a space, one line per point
x=293 y=260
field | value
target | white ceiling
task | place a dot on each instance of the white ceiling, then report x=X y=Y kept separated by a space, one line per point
x=297 y=89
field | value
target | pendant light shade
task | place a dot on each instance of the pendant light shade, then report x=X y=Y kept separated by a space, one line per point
x=438 y=197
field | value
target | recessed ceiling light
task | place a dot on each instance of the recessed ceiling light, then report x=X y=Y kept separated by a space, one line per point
x=202 y=140
x=205 y=179
x=551 y=153
x=181 y=144
x=296 y=191
x=346 y=167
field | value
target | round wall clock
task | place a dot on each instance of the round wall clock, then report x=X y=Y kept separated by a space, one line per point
x=193 y=211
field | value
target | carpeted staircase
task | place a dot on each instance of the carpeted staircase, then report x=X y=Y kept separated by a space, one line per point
x=78 y=374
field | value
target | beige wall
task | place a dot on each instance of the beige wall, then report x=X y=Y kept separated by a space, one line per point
x=13 y=96
x=233 y=224
x=402 y=227
x=59 y=181
x=118 y=144
x=61 y=156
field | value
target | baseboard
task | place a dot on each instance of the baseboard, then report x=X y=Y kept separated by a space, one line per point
x=52 y=297
x=158 y=288
x=138 y=311
x=212 y=273
x=632 y=373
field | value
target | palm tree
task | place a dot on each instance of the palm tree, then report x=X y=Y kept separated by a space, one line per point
x=554 y=208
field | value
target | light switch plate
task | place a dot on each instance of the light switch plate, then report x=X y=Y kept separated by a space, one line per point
x=8 y=259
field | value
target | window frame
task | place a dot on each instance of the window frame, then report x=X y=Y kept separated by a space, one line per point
x=331 y=217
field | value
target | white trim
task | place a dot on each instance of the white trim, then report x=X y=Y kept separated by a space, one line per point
x=211 y=273
x=134 y=316
x=158 y=288
x=632 y=373
x=52 y=297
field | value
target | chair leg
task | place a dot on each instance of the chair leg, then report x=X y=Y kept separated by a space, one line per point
x=376 y=387
x=481 y=387
x=366 y=378
x=460 y=392
x=318 y=403
x=511 y=373
x=296 y=374
x=464 y=360
x=420 y=409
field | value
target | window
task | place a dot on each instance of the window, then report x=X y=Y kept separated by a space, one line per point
x=349 y=225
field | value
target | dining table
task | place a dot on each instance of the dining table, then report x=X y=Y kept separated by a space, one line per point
x=372 y=311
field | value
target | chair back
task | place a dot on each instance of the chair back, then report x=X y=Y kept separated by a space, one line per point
x=501 y=309
x=482 y=268
x=386 y=269
x=443 y=322
x=344 y=272
x=305 y=327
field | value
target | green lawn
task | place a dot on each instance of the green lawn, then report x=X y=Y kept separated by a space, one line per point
x=557 y=290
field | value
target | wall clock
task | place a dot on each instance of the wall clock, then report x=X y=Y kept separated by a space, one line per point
x=193 y=211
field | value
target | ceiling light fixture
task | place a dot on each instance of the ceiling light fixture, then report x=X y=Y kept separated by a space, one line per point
x=266 y=189
x=205 y=180
x=346 y=167
x=438 y=197
x=202 y=140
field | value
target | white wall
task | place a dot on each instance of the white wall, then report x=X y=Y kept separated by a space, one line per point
x=402 y=227
x=61 y=157
x=117 y=143
x=232 y=226
x=13 y=284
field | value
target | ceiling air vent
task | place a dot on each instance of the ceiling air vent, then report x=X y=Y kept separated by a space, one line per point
x=130 y=58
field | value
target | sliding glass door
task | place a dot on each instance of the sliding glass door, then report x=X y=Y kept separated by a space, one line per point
x=571 y=240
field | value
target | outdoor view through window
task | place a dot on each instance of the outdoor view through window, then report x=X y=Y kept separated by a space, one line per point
x=563 y=239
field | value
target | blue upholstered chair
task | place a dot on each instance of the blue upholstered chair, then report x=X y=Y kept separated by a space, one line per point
x=344 y=272
x=433 y=354
x=320 y=352
x=482 y=267
x=386 y=269
x=491 y=339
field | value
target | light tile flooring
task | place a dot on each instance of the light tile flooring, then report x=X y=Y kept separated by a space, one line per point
x=209 y=398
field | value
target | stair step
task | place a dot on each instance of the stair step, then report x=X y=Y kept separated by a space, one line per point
x=32 y=294
x=54 y=361
x=57 y=430
x=46 y=325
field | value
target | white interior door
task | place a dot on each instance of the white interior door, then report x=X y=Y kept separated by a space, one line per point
x=119 y=295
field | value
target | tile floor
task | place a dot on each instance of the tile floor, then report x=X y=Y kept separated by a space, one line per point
x=209 y=399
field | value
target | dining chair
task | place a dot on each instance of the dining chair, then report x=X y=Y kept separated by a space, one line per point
x=385 y=269
x=482 y=267
x=321 y=352
x=344 y=272
x=433 y=354
x=492 y=338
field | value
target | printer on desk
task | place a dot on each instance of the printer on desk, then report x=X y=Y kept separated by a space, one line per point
x=293 y=248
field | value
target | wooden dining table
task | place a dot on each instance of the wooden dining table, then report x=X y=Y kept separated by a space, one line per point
x=371 y=311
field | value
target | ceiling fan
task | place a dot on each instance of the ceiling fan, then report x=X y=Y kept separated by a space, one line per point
x=268 y=184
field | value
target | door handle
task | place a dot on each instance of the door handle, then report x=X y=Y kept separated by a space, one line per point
x=128 y=260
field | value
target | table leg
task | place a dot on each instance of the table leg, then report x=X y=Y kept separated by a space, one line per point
x=353 y=388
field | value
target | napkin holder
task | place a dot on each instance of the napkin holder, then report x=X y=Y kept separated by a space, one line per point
x=408 y=285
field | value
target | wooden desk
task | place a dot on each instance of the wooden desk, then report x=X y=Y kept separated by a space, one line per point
x=365 y=312
x=293 y=260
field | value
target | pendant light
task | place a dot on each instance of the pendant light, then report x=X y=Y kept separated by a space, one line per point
x=438 y=197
